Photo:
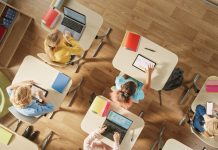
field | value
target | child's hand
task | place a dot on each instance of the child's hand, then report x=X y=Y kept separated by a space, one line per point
x=116 y=137
x=102 y=129
x=150 y=68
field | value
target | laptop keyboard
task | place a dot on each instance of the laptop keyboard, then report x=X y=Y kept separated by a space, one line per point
x=111 y=128
x=72 y=24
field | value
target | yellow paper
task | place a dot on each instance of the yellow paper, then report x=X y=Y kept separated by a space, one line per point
x=5 y=136
x=98 y=105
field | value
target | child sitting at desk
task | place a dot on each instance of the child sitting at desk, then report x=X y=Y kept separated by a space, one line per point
x=21 y=98
x=129 y=89
x=207 y=126
x=62 y=50
x=92 y=142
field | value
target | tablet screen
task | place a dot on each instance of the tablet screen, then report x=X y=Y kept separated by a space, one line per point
x=36 y=88
x=142 y=62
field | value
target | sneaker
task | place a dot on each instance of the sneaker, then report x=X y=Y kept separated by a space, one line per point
x=34 y=136
x=28 y=131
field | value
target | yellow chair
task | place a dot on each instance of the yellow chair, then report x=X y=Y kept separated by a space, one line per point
x=4 y=98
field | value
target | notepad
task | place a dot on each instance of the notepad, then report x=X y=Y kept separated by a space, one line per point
x=100 y=106
x=60 y=82
x=131 y=41
x=50 y=17
x=5 y=136
x=211 y=86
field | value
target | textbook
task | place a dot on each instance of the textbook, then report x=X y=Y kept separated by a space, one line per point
x=100 y=106
x=211 y=86
x=50 y=17
x=5 y=136
x=60 y=82
x=131 y=41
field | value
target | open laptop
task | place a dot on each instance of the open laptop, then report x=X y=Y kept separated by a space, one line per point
x=116 y=123
x=74 y=22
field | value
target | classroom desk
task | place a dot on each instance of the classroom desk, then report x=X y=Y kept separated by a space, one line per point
x=204 y=96
x=18 y=142
x=165 y=63
x=92 y=121
x=172 y=144
x=44 y=75
x=93 y=23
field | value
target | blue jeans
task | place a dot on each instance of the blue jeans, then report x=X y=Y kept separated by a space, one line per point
x=198 y=121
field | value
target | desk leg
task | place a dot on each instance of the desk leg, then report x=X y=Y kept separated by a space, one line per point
x=160 y=97
x=188 y=89
x=19 y=122
x=74 y=91
x=106 y=35
x=78 y=64
x=46 y=141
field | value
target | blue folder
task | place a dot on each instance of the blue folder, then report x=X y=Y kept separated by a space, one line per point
x=60 y=82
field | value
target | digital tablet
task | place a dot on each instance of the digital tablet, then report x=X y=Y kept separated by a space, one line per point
x=36 y=88
x=141 y=63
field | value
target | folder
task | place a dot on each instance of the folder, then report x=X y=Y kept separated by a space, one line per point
x=60 y=82
x=5 y=136
x=131 y=41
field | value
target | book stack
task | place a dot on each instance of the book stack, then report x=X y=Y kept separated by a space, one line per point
x=100 y=106
x=211 y=86
x=50 y=18
x=6 y=20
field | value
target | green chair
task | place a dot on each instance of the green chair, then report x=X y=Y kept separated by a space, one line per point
x=4 y=98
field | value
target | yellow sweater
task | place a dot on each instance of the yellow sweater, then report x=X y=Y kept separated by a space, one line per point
x=63 y=51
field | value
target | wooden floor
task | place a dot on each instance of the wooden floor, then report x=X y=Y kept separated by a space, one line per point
x=189 y=28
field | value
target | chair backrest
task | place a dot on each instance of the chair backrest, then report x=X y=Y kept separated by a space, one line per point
x=213 y=142
x=45 y=58
x=21 y=117
x=4 y=98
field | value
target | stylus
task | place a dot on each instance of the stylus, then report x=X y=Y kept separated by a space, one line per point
x=150 y=49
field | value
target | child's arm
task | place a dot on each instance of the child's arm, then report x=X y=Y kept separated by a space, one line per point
x=147 y=84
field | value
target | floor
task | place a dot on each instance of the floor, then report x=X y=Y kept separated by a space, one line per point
x=189 y=28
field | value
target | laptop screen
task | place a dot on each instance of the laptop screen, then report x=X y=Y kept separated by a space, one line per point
x=119 y=120
x=75 y=15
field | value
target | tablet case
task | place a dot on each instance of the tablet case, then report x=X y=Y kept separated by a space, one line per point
x=60 y=82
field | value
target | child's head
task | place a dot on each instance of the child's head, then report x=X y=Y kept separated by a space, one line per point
x=21 y=96
x=127 y=90
x=52 y=39
x=212 y=127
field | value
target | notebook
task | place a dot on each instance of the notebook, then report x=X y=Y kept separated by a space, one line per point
x=131 y=41
x=100 y=106
x=60 y=82
x=50 y=18
x=5 y=136
x=211 y=86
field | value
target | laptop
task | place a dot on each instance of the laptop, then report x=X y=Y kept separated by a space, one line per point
x=116 y=123
x=74 y=22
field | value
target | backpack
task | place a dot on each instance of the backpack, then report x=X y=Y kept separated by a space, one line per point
x=175 y=80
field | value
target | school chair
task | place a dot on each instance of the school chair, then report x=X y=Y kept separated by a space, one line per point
x=213 y=142
x=76 y=61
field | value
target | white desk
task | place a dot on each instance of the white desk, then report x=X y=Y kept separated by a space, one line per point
x=92 y=121
x=204 y=96
x=18 y=142
x=44 y=75
x=173 y=144
x=166 y=61
x=93 y=23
